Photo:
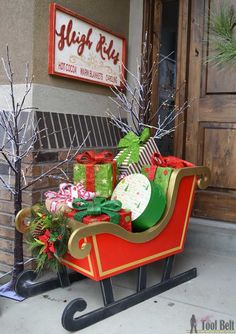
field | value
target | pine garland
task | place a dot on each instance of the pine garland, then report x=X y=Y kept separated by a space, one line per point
x=221 y=33
x=47 y=237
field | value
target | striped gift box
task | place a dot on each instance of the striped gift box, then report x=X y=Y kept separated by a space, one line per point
x=145 y=153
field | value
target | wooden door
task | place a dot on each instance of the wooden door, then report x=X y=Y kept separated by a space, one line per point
x=211 y=119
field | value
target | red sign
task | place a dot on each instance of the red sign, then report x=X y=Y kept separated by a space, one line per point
x=81 y=49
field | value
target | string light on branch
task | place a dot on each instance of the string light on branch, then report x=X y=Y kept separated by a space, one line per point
x=134 y=102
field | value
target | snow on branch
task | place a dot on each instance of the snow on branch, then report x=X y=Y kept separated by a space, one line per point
x=135 y=100
x=69 y=157
x=19 y=136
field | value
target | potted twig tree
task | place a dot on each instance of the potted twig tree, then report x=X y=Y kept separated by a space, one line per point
x=15 y=147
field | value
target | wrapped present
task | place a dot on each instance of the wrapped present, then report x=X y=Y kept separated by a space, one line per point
x=159 y=175
x=97 y=172
x=93 y=219
x=161 y=168
x=61 y=201
x=125 y=219
x=170 y=161
x=89 y=219
x=136 y=152
x=100 y=209
x=56 y=205
x=143 y=198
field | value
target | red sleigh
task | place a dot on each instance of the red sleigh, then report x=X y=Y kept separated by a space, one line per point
x=102 y=250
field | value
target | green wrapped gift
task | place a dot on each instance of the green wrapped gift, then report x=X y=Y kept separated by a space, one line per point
x=97 y=172
x=159 y=175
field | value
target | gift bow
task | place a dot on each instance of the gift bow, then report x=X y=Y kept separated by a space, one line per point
x=49 y=248
x=131 y=144
x=97 y=207
x=94 y=158
x=158 y=160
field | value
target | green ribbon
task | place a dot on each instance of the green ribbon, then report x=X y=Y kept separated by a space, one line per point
x=131 y=144
x=96 y=208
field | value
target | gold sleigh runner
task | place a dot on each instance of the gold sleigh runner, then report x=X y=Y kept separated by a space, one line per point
x=81 y=231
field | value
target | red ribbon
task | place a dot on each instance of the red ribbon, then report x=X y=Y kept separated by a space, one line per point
x=151 y=172
x=158 y=160
x=90 y=159
x=49 y=245
x=94 y=158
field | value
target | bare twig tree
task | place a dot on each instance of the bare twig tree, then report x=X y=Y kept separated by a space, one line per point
x=135 y=99
x=19 y=139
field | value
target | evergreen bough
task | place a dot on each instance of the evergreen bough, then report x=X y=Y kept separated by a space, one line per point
x=221 y=34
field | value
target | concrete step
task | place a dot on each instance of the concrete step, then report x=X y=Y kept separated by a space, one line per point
x=211 y=236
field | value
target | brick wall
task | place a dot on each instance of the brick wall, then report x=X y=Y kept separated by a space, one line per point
x=51 y=148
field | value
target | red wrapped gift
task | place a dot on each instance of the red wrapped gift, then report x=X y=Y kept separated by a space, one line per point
x=70 y=214
x=125 y=218
x=92 y=219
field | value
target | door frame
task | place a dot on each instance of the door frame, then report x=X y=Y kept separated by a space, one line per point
x=152 y=11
